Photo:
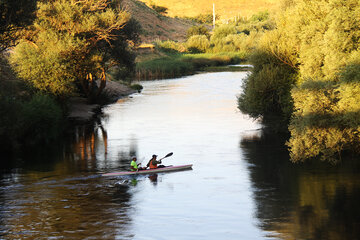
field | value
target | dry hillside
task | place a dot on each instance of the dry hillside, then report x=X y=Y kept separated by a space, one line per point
x=226 y=9
x=155 y=26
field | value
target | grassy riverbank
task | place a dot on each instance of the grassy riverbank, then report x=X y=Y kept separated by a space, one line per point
x=177 y=65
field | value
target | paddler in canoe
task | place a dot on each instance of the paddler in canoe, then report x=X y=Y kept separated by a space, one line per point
x=135 y=166
x=153 y=163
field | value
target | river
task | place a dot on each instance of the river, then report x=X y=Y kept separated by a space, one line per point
x=242 y=185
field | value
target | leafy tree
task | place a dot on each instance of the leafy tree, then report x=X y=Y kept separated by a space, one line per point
x=320 y=41
x=14 y=16
x=74 y=43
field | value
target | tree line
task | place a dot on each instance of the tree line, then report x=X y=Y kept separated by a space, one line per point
x=307 y=77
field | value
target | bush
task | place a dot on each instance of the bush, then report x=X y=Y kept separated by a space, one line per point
x=197 y=30
x=137 y=87
x=159 y=9
x=222 y=32
x=198 y=44
x=41 y=120
x=170 y=46
x=36 y=121
x=267 y=91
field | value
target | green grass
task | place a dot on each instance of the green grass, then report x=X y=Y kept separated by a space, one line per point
x=177 y=65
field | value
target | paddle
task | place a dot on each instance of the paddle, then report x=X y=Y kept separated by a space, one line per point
x=167 y=155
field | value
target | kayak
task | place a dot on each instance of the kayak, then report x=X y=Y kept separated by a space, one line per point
x=150 y=171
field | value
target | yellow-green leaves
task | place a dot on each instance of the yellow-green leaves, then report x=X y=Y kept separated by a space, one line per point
x=71 y=39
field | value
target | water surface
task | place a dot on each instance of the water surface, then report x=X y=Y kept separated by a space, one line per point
x=242 y=185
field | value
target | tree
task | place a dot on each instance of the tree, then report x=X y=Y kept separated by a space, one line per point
x=14 y=16
x=73 y=43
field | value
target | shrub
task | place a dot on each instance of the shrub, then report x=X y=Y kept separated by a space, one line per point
x=137 y=87
x=197 y=30
x=36 y=121
x=159 y=9
x=198 y=44
x=41 y=120
x=267 y=91
x=170 y=46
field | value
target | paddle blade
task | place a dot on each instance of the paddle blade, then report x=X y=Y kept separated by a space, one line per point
x=168 y=155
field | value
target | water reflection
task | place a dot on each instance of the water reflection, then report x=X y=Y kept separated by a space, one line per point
x=302 y=201
x=66 y=209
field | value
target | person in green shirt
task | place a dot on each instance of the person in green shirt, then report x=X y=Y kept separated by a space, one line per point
x=135 y=166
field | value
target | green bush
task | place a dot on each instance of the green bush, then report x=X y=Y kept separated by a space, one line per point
x=170 y=46
x=222 y=32
x=137 y=87
x=197 y=44
x=267 y=91
x=197 y=30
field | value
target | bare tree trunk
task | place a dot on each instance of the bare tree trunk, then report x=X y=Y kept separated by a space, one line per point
x=102 y=83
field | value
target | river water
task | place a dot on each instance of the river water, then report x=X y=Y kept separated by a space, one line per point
x=242 y=185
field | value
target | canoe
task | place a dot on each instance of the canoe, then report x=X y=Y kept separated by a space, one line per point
x=150 y=171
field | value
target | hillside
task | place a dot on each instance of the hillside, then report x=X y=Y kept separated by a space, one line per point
x=226 y=9
x=155 y=26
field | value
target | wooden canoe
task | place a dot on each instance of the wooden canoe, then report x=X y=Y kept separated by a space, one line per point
x=150 y=171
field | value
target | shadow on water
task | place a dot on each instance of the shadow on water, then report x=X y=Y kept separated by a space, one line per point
x=313 y=200
x=57 y=192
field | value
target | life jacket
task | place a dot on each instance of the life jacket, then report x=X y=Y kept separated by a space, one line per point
x=134 y=165
x=152 y=166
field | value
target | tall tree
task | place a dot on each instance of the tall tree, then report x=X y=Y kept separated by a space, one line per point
x=73 y=43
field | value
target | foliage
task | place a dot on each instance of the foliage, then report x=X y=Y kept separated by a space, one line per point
x=198 y=44
x=198 y=30
x=170 y=46
x=163 y=68
x=177 y=65
x=206 y=18
x=72 y=44
x=159 y=9
x=14 y=16
x=266 y=92
x=316 y=43
x=137 y=87
x=260 y=16
x=326 y=120
x=35 y=121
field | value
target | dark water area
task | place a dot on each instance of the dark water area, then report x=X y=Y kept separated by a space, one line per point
x=242 y=185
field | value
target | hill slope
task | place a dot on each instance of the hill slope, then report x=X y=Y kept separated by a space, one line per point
x=155 y=26
x=226 y=9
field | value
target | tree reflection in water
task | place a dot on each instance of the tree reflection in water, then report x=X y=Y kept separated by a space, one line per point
x=61 y=196
x=312 y=200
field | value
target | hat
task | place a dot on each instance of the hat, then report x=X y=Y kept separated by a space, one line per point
x=154 y=156
x=133 y=158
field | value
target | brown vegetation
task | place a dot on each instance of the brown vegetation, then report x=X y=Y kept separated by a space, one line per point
x=154 y=25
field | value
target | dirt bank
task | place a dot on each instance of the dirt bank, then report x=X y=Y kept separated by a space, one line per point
x=81 y=111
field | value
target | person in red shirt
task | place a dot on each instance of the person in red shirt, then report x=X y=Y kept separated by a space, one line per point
x=153 y=163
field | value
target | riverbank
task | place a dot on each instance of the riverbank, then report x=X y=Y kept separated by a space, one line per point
x=80 y=110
